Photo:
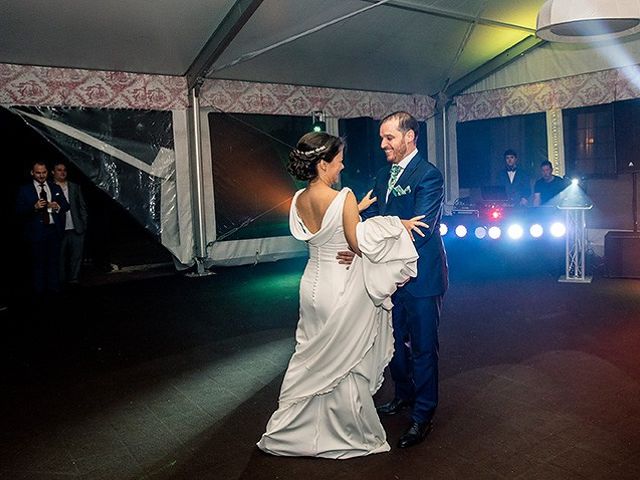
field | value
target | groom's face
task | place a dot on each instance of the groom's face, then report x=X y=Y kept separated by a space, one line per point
x=394 y=142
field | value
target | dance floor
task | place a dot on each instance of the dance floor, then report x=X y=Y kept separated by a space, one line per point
x=161 y=376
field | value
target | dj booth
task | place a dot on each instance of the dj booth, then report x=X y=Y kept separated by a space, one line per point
x=493 y=216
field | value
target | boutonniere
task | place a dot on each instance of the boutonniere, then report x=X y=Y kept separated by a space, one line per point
x=398 y=191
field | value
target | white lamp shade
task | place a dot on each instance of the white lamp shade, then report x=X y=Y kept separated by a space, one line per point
x=587 y=20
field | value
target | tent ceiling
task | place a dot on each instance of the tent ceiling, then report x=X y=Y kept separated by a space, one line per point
x=402 y=46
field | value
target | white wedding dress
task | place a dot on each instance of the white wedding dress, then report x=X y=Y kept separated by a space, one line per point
x=344 y=339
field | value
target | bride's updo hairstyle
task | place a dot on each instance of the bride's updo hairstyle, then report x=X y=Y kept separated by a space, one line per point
x=312 y=148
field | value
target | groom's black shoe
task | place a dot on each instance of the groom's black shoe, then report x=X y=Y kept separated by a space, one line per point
x=416 y=434
x=393 y=407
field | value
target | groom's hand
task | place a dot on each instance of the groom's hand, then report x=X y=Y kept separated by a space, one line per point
x=345 y=257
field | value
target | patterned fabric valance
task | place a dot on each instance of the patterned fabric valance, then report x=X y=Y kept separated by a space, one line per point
x=246 y=97
x=576 y=91
x=46 y=86
x=66 y=87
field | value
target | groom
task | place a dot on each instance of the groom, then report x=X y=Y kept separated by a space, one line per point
x=412 y=187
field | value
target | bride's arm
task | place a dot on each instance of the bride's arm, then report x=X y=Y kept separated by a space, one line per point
x=351 y=218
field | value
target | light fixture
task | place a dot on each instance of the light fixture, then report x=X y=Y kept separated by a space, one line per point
x=461 y=231
x=481 y=232
x=443 y=229
x=495 y=232
x=536 y=230
x=587 y=20
x=318 y=125
x=515 y=231
x=558 y=229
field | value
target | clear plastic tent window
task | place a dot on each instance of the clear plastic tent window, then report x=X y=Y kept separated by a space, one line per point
x=126 y=153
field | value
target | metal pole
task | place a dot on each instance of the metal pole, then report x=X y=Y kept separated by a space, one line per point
x=634 y=176
x=445 y=149
x=201 y=239
x=567 y=247
x=582 y=245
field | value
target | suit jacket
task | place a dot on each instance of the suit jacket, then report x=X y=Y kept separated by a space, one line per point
x=34 y=227
x=519 y=188
x=78 y=208
x=423 y=185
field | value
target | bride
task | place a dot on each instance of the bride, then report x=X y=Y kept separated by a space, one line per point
x=343 y=338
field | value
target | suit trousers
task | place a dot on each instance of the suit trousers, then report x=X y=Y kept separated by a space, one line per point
x=414 y=366
x=45 y=258
x=71 y=255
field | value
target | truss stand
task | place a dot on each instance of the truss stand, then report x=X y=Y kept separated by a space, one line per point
x=200 y=271
x=575 y=244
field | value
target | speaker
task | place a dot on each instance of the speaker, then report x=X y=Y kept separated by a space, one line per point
x=622 y=254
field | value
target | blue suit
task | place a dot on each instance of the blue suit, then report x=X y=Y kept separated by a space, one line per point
x=44 y=239
x=416 y=311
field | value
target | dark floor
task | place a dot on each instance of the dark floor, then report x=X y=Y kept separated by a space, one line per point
x=156 y=375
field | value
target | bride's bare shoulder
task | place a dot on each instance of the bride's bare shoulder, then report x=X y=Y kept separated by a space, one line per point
x=317 y=197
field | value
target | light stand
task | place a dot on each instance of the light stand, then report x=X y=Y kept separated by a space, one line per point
x=575 y=245
x=634 y=177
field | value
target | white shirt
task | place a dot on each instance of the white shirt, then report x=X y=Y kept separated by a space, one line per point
x=402 y=164
x=511 y=173
x=47 y=190
x=36 y=184
x=68 y=225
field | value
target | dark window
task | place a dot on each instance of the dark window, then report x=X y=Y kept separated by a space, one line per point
x=482 y=143
x=589 y=141
x=627 y=133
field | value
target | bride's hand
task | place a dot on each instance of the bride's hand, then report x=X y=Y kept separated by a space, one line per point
x=367 y=201
x=413 y=224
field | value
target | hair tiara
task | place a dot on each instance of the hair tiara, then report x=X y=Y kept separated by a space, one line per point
x=310 y=153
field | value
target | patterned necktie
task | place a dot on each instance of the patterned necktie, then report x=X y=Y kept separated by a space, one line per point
x=45 y=213
x=395 y=173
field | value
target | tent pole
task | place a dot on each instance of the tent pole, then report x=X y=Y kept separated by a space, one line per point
x=201 y=238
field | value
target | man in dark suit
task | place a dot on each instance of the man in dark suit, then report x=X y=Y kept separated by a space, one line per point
x=75 y=226
x=412 y=187
x=516 y=181
x=41 y=206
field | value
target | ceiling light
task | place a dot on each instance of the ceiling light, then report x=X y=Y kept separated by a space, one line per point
x=587 y=20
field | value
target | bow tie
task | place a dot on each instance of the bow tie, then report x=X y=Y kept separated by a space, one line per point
x=511 y=169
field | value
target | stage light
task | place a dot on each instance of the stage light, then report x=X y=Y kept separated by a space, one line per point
x=558 y=229
x=481 y=232
x=495 y=232
x=495 y=214
x=536 y=230
x=515 y=231
x=443 y=229
x=461 y=231
x=575 y=181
